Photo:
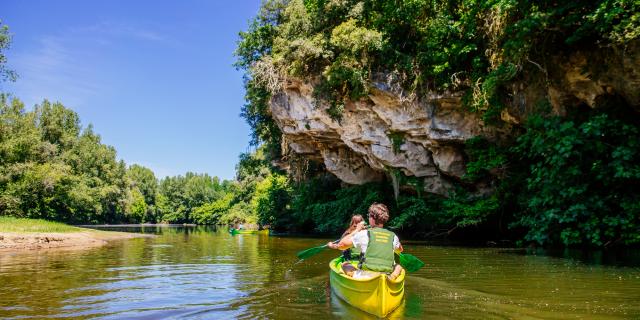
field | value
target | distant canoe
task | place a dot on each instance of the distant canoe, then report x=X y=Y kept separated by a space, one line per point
x=377 y=295
x=236 y=231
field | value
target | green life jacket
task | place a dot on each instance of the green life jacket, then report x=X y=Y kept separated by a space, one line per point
x=379 y=255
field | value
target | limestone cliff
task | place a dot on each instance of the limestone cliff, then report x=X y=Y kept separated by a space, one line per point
x=424 y=137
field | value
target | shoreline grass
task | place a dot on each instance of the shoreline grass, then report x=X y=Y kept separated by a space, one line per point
x=12 y=224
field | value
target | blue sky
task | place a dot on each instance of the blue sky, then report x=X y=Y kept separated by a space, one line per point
x=155 y=78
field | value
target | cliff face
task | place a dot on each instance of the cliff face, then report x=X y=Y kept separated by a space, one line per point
x=424 y=137
x=360 y=147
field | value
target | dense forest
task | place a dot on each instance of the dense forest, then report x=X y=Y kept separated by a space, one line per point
x=53 y=168
x=560 y=179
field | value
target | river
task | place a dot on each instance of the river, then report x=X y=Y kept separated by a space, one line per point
x=204 y=273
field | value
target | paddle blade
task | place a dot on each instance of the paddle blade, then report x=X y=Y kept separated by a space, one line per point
x=410 y=262
x=304 y=254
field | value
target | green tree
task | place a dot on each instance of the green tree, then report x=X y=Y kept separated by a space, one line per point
x=210 y=213
x=582 y=182
x=137 y=207
x=185 y=193
x=271 y=200
x=238 y=213
x=145 y=180
x=52 y=170
x=5 y=43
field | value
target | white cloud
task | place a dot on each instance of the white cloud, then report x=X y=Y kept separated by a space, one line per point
x=120 y=30
x=54 y=71
x=62 y=67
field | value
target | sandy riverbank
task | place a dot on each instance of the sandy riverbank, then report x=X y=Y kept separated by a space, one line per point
x=18 y=241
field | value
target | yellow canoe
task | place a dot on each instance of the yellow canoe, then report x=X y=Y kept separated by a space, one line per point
x=377 y=295
x=236 y=231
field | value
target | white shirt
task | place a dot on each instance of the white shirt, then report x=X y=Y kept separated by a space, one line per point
x=361 y=240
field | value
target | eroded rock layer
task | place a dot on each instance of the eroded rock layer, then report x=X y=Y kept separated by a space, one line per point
x=376 y=135
x=424 y=138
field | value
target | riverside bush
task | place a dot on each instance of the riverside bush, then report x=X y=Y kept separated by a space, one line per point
x=583 y=180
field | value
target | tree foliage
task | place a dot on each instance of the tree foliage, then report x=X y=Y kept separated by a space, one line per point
x=470 y=45
x=271 y=199
x=145 y=181
x=583 y=180
x=52 y=168
x=5 y=43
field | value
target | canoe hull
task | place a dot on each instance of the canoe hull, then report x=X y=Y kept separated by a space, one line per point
x=235 y=231
x=378 y=295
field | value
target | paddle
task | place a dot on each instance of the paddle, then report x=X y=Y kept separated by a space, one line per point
x=410 y=262
x=305 y=254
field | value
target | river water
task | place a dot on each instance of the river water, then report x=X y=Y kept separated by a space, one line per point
x=204 y=273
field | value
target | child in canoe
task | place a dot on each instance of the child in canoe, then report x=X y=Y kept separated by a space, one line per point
x=377 y=244
x=352 y=253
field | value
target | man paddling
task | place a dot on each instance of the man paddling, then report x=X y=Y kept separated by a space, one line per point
x=377 y=244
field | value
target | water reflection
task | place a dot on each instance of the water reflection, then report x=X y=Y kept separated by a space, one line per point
x=611 y=257
x=204 y=273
